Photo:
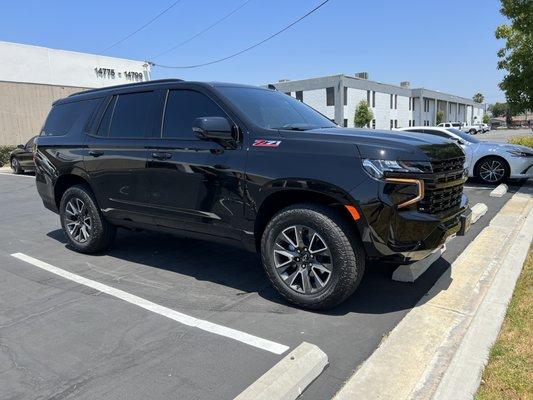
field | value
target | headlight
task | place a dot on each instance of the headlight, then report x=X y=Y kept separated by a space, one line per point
x=519 y=153
x=379 y=168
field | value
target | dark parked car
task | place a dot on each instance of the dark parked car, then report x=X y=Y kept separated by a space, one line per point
x=254 y=167
x=21 y=158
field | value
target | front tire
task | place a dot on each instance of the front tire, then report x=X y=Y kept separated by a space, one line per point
x=492 y=170
x=312 y=256
x=84 y=225
x=15 y=166
x=472 y=131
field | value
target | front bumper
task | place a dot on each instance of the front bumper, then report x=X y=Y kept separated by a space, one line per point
x=405 y=236
x=521 y=167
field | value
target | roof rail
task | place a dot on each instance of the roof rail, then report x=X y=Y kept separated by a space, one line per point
x=125 y=85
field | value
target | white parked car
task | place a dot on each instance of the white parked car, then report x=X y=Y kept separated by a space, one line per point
x=491 y=162
x=484 y=127
x=472 y=129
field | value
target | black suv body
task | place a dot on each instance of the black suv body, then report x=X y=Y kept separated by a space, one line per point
x=252 y=167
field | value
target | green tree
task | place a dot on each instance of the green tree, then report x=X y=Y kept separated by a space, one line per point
x=478 y=98
x=486 y=118
x=517 y=56
x=440 y=116
x=363 y=115
x=498 y=109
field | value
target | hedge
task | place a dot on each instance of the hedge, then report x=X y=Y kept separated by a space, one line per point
x=522 y=140
x=4 y=154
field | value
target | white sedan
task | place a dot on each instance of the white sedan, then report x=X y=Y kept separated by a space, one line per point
x=491 y=162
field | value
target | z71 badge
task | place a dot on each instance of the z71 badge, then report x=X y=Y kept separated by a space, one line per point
x=266 y=143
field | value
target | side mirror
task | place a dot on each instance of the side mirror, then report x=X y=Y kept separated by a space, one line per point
x=20 y=146
x=207 y=128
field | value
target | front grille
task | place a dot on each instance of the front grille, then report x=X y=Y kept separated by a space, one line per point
x=444 y=188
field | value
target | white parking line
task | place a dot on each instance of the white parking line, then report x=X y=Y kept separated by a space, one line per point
x=22 y=176
x=207 y=326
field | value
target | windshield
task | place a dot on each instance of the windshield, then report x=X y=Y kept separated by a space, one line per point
x=465 y=136
x=274 y=110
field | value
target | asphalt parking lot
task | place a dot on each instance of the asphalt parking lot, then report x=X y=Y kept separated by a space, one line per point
x=62 y=339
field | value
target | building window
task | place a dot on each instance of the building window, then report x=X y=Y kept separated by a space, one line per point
x=391 y=100
x=391 y=124
x=413 y=103
x=345 y=96
x=409 y=120
x=395 y=101
x=300 y=95
x=368 y=97
x=345 y=122
x=396 y=123
x=413 y=122
x=373 y=124
x=288 y=93
x=373 y=98
x=410 y=100
x=330 y=96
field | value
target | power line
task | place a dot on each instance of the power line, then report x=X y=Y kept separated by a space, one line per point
x=142 y=27
x=203 y=30
x=247 y=48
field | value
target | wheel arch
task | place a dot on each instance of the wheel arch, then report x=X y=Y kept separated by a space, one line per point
x=63 y=182
x=281 y=199
x=478 y=162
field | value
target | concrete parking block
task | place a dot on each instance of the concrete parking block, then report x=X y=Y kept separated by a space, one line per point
x=499 y=190
x=410 y=272
x=478 y=210
x=289 y=377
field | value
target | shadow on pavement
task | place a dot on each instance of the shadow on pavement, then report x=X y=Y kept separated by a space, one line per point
x=241 y=270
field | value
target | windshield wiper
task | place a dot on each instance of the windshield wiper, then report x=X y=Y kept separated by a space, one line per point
x=294 y=127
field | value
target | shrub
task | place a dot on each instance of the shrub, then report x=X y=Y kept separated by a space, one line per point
x=522 y=140
x=363 y=115
x=4 y=154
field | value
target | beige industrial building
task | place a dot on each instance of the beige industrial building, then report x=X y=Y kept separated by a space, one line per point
x=32 y=78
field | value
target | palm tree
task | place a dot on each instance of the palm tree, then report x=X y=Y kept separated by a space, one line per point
x=478 y=98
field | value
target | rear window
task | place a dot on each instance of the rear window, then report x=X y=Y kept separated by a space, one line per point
x=68 y=117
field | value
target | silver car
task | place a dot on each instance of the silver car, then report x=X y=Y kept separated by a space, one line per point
x=489 y=161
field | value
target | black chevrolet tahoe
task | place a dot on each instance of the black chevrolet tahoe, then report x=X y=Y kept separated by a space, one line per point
x=253 y=167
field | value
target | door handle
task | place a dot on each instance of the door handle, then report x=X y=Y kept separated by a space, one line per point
x=96 y=153
x=161 y=156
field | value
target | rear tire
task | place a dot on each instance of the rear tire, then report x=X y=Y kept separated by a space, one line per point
x=15 y=166
x=86 y=229
x=327 y=260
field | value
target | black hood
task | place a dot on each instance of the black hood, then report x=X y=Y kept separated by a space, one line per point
x=390 y=145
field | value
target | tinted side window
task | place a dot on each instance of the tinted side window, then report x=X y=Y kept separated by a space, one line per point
x=67 y=117
x=131 y=115
x=183 y=107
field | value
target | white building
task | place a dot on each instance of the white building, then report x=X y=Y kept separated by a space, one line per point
x=393 y=106
x=33 y=77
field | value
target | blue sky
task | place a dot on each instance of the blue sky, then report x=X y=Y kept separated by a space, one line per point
x=444 y=45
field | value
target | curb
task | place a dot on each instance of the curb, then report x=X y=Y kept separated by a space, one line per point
x=473 y=353
x=499 y=190
x=288 y=378
x=429 y=342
